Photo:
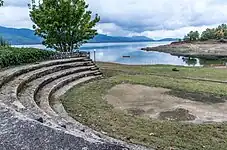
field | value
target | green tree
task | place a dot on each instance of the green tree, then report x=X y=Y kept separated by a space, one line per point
x=221 y=31
x=63 y=24
x=186 y=38
x=192 y=36
x=208 y=34
x=215 y=33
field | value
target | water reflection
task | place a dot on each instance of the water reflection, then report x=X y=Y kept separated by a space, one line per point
x=190 y=61
x=114 y=52
x=204 y=62
x=209 y=62
x=130 y=53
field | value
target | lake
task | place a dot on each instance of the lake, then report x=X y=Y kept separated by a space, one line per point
x=115 y=52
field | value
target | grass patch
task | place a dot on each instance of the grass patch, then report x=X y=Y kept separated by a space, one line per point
x=174 y=83
x=199 y=97
x=193 y=72
x=86 y=104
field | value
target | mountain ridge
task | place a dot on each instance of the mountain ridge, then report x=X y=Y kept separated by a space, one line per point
x=25 y=36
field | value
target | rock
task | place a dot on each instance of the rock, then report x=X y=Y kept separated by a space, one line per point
x=63 y=126
x=18 y=105
x=40 y=120
x=83 y=130
x=128 y=138
x=175 y=69
x=151 y=134
x=103 y=132
x=223 y=40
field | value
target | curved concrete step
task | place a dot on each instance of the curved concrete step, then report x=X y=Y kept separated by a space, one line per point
x=42 y=96
x=27 y=95
x=63 y=84
x=37 y=88
x=57 y=93
x=60 y=79
x=56 y=105
x=47 y=70
x=8 y=74
x=10 y=89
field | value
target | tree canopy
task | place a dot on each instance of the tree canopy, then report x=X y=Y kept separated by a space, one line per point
x=215 y=33
x=209 y=34
x=63 y=24
x=192 y=36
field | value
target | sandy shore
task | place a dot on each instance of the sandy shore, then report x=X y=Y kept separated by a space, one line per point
x=210 y=49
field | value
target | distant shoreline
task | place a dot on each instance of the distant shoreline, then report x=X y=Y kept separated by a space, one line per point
x=101 y=42
x=207 y=49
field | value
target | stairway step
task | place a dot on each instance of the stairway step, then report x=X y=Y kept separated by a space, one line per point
x=48 y=70
x=98 y=73
x=69 y=80
x=26 y=97
x=58 y=93
x=9 y=74
x=45 y=93
x=58 y=77
x=94 y=68
x=58 y=108
x=10 y=90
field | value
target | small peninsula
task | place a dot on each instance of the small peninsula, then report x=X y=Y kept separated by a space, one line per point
x=212 y=43
x=213 y=49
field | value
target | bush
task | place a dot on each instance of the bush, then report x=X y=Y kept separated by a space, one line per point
x=10 y=56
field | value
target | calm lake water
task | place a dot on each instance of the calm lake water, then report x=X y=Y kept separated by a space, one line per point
x=114 y=52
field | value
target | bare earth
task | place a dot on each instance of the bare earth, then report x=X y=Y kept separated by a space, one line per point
x=157 y=104
x=203 y=49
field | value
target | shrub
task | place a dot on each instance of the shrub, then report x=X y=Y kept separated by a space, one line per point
x=10 y=56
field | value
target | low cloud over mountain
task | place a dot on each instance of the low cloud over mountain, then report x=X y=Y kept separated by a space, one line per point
x=152 y=18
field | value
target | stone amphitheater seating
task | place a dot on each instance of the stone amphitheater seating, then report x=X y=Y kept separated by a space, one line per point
x=33 y=118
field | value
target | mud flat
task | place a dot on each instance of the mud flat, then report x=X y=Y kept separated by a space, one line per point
x=158 y=103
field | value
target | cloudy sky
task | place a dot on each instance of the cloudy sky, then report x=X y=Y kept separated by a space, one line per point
x=152 y=18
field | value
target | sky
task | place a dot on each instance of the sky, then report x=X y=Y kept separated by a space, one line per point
x=152 y=18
